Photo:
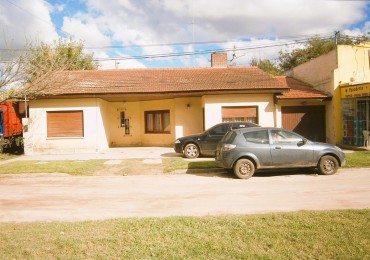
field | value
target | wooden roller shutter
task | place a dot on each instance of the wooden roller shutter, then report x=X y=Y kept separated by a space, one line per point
x=308 y=121
x=65 y=124
x=239 y=113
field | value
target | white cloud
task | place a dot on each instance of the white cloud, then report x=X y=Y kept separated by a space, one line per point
x=87 y=30
x=363 y=30
x=142 y=22
x=24 y=21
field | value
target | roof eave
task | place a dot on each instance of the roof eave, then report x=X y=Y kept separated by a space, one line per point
x=160 y=95
x=303 y=99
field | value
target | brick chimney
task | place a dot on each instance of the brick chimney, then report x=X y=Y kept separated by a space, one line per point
x=219 y=60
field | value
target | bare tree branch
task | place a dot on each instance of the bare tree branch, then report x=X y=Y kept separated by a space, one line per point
x=36 y=68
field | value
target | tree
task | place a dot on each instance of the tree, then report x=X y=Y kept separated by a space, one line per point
x=34 y=67
x=315 y=47
x=266 y=65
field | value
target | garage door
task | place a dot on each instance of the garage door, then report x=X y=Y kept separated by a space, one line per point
x=308 y=121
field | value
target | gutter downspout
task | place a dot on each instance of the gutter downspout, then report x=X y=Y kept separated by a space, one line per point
x=276 y=110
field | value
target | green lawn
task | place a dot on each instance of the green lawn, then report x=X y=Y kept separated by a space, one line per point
x=131 y=166
x=358 y=159
x=91 y=167
x=342 y=234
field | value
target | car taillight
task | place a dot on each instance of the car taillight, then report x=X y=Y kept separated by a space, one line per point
x=228 y=147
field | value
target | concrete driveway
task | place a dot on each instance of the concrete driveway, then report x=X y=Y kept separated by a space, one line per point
x=118 y=153
x=60 y=197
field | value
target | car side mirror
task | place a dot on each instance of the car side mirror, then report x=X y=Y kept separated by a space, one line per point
x=302 y=142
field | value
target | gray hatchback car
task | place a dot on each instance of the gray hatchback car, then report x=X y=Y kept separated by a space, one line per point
x=246 y=150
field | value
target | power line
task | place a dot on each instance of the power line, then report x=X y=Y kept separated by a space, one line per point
x=298 y=37
x=200 y=52
x=190 y=43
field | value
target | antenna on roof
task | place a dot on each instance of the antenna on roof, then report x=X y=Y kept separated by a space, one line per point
x=232 y=62
x=116 y=63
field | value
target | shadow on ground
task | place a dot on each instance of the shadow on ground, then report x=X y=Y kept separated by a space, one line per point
x=222 y=173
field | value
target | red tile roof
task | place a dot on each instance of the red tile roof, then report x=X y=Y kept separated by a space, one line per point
x=299 y=90
x=157 y=81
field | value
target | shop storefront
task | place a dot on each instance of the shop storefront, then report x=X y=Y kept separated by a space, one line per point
x=356 y=114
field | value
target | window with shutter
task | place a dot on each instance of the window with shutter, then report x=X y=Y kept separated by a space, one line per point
x=65 y=123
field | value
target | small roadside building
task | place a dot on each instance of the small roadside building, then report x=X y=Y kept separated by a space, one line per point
x=344 y=73
x=90 y=111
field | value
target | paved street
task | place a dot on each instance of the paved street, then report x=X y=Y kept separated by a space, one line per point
x=60 y=197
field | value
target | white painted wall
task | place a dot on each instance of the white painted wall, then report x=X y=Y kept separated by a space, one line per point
x=94 y=139
x=213 y=107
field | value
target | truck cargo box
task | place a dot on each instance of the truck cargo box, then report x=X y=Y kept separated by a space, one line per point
x=11 y=114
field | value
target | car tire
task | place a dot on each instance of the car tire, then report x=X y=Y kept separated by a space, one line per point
x=244 y=169
x=328 y=165
x=191 y=151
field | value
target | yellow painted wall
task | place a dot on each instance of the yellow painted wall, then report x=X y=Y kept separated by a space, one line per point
x=118 y=137
x=189 y=116
x=158 y=139
x=185 y=117
x=353 y=64
x=134 y=111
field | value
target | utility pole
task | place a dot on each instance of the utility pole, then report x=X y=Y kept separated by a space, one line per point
x=336 y=35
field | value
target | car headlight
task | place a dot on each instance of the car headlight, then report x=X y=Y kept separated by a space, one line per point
x=177 y=141
x=228 y=147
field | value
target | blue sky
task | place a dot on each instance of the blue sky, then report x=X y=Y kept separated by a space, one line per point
x=121 y=33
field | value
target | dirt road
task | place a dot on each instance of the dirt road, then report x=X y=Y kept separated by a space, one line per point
x=59 y=197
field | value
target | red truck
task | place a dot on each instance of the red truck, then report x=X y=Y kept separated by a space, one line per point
x=11 y=114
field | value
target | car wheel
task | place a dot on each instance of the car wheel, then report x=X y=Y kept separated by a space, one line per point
x=328 y=165
x=191 y=151
x=244 y=169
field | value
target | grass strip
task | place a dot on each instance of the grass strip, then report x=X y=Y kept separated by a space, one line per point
x=340 y=234
x=174 y=164
x=87 y=167
x=358 y=159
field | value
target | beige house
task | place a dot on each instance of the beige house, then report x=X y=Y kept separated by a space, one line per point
x=345 y=74
x=91 y=111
